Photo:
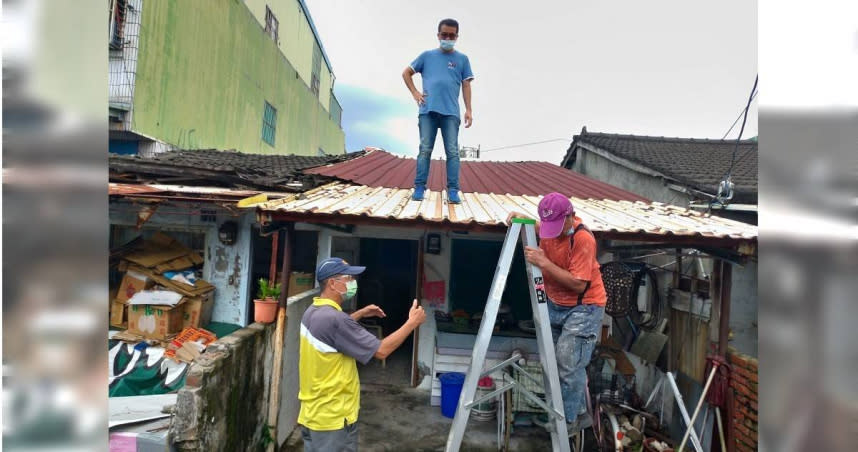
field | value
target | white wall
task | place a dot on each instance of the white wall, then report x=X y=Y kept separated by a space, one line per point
x=227 y=267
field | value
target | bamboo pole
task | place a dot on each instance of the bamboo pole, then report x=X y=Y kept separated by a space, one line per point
x=699 y=404
x=277 y=370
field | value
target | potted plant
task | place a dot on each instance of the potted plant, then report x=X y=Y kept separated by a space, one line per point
x=265 y=304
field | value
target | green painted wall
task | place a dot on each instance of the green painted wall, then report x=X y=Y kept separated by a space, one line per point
x=205 y=71
x=295 y=40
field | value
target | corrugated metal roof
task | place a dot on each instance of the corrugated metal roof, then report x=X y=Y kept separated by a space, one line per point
x=395 y=205
x=382 y=169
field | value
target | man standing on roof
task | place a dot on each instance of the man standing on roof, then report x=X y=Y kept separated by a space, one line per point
x=444 y=71
x=331 y=343
x=573 y=283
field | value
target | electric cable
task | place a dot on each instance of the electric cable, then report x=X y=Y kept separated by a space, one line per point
x=753 y=96
x=726 y=180
x=512 y=146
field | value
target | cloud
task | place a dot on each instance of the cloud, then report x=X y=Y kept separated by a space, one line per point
x=373 y=119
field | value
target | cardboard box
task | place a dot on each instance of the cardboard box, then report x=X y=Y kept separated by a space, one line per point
x=300 y=282
x=134 y=281
x=198 y=311
x=202 y=286
x=163 y=253
x=155 y=322
x=118 y=314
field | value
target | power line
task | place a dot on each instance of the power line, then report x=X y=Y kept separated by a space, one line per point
x=753 y=95
x=524 y=144
x=742 y=130
x=725 y=187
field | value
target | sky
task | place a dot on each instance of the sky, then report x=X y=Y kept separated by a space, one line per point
x=543 y=70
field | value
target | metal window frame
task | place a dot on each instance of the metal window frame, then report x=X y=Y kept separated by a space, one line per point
x=315 y=79
x=269 y=123
x=117 y=24
x=272 y=24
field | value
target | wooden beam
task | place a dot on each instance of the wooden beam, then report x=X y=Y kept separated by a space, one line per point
x=277 y=370
x=419 y=296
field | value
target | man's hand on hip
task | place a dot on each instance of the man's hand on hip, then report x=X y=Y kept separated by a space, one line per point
x=469 y=118
x=419 y=97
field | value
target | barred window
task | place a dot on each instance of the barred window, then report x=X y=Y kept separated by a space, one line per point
x=269 y=124
x=272 y=25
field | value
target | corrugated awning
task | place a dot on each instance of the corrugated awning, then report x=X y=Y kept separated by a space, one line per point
x=342 y=202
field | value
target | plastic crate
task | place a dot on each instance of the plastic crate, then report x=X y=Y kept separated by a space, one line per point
x=520 y=403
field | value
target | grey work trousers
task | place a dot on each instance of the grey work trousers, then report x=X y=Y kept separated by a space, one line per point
x=342 y=440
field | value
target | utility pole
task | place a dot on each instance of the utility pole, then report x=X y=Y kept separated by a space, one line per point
x=469 y=152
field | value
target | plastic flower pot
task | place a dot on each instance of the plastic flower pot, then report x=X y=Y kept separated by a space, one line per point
x=265 y=310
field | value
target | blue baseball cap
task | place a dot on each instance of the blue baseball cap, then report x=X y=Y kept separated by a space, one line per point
x=334 y=266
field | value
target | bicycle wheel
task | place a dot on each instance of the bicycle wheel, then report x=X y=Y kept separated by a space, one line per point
x=607 y=436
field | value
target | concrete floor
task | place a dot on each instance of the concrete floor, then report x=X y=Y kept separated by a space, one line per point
x=395 y=417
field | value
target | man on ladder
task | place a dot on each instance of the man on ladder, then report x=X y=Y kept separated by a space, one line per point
x=567 y=258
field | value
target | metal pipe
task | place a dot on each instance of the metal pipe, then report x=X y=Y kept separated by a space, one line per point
x=272 y=271
x=724 y=321
x=276 y=371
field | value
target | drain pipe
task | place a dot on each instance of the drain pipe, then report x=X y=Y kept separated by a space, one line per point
x=277 y=369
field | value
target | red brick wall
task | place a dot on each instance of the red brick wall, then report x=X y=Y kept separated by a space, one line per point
x=743 y=383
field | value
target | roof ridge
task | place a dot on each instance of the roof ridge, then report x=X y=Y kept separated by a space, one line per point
x=664 y=139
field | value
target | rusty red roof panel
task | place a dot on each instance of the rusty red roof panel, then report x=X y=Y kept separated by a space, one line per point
x=130 y=189
x=383 y=169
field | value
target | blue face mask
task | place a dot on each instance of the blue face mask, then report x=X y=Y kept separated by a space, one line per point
x=447 y=44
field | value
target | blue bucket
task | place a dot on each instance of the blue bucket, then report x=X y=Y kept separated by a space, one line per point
x=451 y=387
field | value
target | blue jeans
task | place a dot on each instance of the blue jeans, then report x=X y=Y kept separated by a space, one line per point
x=574 y=330
x=429 y=124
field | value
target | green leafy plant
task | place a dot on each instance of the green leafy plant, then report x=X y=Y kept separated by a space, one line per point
x=275 y=290
x=266 y=437
x=268 y=290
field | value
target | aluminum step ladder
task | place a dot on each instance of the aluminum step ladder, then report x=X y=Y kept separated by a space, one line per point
x=553 y=403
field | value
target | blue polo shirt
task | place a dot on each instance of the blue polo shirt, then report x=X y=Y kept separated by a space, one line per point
x=443 y=74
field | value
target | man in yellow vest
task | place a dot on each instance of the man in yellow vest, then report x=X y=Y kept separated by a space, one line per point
x=331 y=344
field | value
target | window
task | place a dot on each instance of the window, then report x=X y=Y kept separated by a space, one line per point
x=269 y=124
x=317 y=68
x=272 y=25
x=117 y=10
x=336 y=110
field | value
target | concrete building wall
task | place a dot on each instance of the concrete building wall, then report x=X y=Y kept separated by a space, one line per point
x=650 y=187
x=296 y=40
x=227 y=267
x=198 y=87
x=224 y=403
x=287 y=419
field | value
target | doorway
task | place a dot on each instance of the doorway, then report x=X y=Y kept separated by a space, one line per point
x=390 y=281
